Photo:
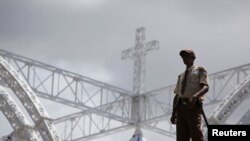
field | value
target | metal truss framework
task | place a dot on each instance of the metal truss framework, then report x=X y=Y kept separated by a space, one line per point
x=231 y=102
x=29 y=100
x=245 y=120
x=22 y=128
x=228 y=105
x=106 y=109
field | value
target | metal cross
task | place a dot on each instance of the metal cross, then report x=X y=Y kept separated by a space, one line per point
x=138 y=53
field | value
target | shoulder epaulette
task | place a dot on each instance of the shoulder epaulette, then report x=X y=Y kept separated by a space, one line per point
x=202 y=70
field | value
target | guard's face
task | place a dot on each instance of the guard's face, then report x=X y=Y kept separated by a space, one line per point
x=187 y=59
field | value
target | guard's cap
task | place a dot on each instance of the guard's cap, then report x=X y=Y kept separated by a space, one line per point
x=187 y=51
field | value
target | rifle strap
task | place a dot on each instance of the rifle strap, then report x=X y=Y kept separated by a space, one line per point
x=204 y=116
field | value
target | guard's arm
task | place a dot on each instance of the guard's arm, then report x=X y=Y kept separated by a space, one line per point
x=203 y=83
x=175 y=103
x=204 y=89
x=174 y=115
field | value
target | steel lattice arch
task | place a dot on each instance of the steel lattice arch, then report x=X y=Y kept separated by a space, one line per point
x=103 y=109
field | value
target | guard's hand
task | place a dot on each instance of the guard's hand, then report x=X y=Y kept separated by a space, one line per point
x=193 y=99
x=173 y=119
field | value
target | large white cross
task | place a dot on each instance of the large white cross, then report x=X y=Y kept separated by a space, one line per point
x=138 y=53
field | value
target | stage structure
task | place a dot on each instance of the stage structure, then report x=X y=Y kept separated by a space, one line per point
x=103 y=109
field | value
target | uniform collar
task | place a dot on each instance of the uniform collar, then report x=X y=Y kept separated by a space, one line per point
x=190 y=68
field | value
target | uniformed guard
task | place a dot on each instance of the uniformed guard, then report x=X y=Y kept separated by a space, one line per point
x=190 y=89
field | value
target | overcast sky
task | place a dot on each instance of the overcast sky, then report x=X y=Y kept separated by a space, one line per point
x=87 y=36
